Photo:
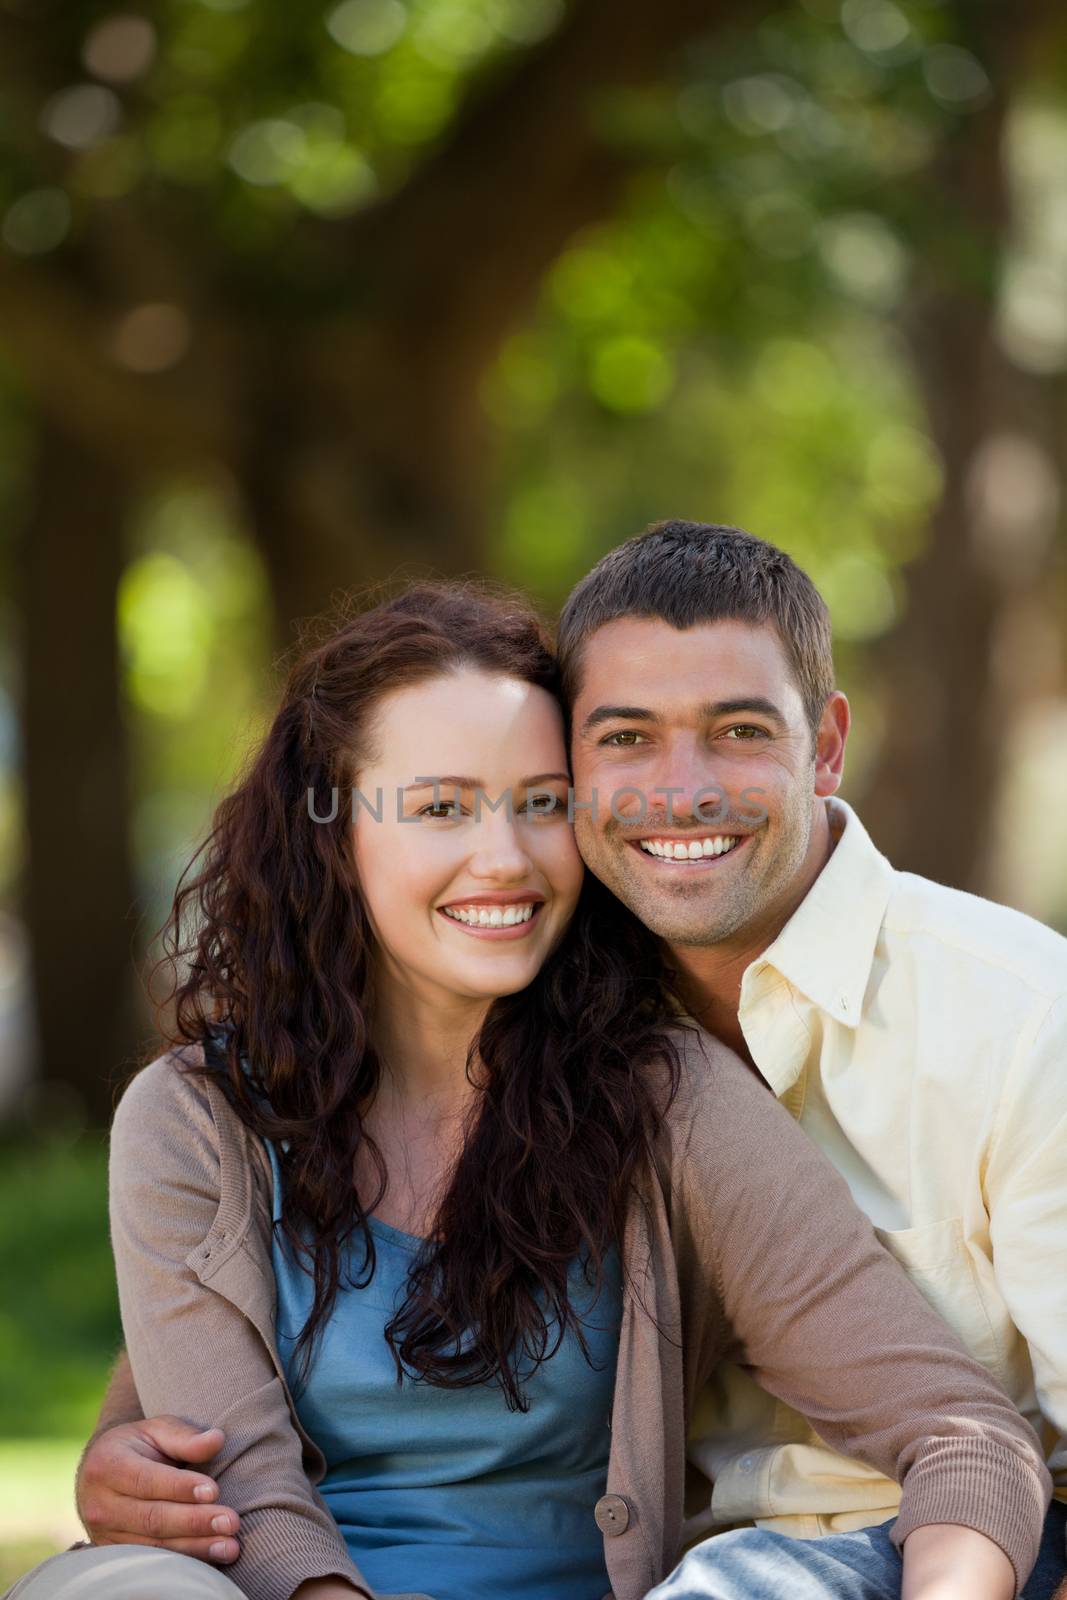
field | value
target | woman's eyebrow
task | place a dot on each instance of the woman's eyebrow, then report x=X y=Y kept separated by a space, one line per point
x=451 y=781
x=446 y=778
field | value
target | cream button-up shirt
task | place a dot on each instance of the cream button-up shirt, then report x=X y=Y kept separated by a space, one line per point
x=919 y=1036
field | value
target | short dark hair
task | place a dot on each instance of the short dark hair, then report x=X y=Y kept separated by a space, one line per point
x=686 y=573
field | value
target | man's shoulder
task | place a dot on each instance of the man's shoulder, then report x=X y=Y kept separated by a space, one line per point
x=977 y=933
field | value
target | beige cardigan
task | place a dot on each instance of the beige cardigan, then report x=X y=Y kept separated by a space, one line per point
x=745 y=1244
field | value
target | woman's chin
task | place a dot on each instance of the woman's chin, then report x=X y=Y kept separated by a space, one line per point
x=508 y=977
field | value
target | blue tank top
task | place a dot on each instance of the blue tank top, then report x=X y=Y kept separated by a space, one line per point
x=446 y=1492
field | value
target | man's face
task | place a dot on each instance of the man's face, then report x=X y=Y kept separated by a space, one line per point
x=705 y=730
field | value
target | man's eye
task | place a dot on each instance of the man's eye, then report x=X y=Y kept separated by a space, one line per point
x=630 y=735
x=745 y=732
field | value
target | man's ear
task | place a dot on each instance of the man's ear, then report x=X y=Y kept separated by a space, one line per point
x=830 y=744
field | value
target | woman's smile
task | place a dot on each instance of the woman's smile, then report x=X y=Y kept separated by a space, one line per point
x=494 y=916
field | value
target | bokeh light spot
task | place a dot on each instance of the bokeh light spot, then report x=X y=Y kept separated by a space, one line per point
x=152 y=338
x=367 y=27
x=267 y=152
x=954 y=76
x=120 y=49
x=37 y=222
x=875 y=26
x=82 y=116
x=630 y=375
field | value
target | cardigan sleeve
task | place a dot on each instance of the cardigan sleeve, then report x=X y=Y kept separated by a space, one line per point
x=827 y=1321
x=193 y=1353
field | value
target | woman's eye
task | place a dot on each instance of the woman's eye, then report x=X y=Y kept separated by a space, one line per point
x=542 y=805
x=616 y=740
x=441 y=813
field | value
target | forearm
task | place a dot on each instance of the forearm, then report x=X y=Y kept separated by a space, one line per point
x=120 y=1403
x=943 y=1561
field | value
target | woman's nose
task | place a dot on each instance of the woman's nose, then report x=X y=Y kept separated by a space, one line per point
x=500 y=852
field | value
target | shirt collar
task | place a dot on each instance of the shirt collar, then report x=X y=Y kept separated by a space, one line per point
x=827 y=947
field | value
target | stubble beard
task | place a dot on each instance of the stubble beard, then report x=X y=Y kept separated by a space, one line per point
x=692 y=917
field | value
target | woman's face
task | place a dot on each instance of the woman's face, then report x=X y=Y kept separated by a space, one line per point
x=468 y=889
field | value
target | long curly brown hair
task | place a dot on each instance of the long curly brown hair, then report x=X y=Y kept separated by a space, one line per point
x=269 y=953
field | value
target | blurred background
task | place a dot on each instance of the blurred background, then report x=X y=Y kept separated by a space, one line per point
x=297 y=298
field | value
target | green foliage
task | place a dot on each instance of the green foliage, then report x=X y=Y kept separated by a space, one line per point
x=193 y=630
x=59 y=1328
x=238 y=117
x=727 y=347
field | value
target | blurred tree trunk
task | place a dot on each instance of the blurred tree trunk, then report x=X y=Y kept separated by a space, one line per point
x=79 y=889
x=932 y=798
x=397 y=456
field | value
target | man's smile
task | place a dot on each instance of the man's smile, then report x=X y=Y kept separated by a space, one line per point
x=689 y=850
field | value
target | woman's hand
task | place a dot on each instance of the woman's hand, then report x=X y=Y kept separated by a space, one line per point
x=945 y=1562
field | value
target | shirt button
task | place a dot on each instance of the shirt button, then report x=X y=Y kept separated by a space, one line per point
x=612 y=1514
x=746 y=1463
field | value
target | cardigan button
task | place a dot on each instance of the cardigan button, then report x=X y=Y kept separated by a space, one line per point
x=612 y=1514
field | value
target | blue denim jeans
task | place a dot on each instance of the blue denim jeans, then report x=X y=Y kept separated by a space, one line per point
x=755 y=1564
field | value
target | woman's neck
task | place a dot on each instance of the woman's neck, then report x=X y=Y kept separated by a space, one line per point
x=422 y=1041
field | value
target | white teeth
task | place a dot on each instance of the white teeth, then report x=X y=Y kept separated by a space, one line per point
x=486 y=917
x=695 y=850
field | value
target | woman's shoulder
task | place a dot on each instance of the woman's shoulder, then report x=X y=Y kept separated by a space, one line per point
x=174 y=1132
x=172 y=1107
x=170 y=1084
x=720 y=1098
x=710 y=1072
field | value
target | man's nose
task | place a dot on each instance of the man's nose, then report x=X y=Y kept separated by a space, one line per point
x=683 y=783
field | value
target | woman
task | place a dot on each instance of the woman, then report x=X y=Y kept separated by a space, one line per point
x=437 y=1206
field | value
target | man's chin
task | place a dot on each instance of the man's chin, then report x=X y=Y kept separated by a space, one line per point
x=680 y=925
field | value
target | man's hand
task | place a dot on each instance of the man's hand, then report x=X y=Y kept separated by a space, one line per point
x=132 y=1488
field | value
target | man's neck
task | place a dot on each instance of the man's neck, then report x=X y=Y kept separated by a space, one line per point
x=709 y=976
x=709 y=984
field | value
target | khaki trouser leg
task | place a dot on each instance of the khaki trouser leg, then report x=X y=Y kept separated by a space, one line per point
x=123 y=1572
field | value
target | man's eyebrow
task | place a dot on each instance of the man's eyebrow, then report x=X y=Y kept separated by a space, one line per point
x=618 y=714
x=708 y=711
x=729 y=708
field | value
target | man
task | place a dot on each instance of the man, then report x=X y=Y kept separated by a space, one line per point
x=917 y=1033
